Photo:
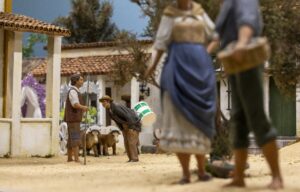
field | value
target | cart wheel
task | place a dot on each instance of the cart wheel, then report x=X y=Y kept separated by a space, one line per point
x=63 y=138
x=63 y=147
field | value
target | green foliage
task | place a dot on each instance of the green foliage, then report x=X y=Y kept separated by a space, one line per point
x=93 y=111
x=91 y=116
x=89 y=21
x=62 y=114
x=28 y=49
x=221 y=146
x=125 y=69
x=211 y=7
x=282 y=20
x=153 y=9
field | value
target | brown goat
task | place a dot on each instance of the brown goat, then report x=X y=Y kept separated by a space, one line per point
x=92 y=140
x=108 y=140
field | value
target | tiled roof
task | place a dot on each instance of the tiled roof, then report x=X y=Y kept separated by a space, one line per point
x=98 y=44
x=15 y=22
x=94 y=65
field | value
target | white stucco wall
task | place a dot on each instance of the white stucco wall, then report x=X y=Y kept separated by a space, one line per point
x=298 y=109
x=135 y=92
x=266 y=88
x=15 y=67
x=124 y=90
x=1 y=60
x=1 y=70
x=36 y=138
x=224 y=97
x=153 y=101
x=5 y=132
x=103 y=51
x=1 y=5
x=71 y=53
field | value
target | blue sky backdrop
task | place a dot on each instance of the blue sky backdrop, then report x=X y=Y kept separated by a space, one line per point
x=126 y=14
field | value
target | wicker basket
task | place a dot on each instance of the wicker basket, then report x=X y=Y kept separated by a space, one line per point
x=256 y=53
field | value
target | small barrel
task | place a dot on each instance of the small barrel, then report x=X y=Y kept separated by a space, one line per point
x=148 y=117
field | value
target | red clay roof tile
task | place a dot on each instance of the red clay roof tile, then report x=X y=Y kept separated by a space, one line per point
x=15 y=22
x=96 y=65
x=98 y=44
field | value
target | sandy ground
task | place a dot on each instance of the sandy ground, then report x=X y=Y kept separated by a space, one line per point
x=152 y=173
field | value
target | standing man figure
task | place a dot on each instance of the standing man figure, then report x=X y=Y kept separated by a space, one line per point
x=240 y=20
x=73 y=115
x=128 y=122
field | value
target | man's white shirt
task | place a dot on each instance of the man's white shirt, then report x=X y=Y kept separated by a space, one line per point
x=73 y=95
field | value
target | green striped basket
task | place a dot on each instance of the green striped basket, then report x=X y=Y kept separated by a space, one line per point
x=147 y=116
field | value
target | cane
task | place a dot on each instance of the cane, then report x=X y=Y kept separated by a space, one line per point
x=86 y=119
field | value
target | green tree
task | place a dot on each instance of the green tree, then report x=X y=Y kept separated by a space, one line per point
x=282 y=20
x=28 y=48
x=153 y=9
x=136 y=65
x=89 y=21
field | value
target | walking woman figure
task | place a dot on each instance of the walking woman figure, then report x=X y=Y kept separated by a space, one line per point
x=187 y=84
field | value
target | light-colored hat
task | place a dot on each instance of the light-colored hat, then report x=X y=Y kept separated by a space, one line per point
x=105 y=98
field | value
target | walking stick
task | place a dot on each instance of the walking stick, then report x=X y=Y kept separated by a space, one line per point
x=86 y=119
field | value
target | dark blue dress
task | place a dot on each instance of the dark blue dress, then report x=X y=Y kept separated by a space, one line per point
x=189 y=79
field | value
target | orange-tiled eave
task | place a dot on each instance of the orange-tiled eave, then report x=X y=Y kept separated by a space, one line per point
x=93 y=65
x=100 y=44
x=16 y=22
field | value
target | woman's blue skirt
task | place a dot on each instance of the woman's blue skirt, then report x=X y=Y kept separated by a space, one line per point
x=189 y=78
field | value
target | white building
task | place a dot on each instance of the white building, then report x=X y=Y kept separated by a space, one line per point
x=96 y=60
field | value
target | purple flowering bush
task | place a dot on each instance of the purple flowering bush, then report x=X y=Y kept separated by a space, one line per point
x=39 y=89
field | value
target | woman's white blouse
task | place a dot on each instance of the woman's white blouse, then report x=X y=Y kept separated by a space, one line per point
x=163 y=36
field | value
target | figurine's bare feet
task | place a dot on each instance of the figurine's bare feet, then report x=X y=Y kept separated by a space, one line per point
x=77 y=161
x=236 y=183
x=204 y=177
x=182 y=181
x=276 y=183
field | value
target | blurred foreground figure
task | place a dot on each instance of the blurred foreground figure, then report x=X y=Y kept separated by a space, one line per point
x=187 y=85
x=240 y=21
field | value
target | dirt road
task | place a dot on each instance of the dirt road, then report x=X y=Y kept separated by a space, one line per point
x=113 y=174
